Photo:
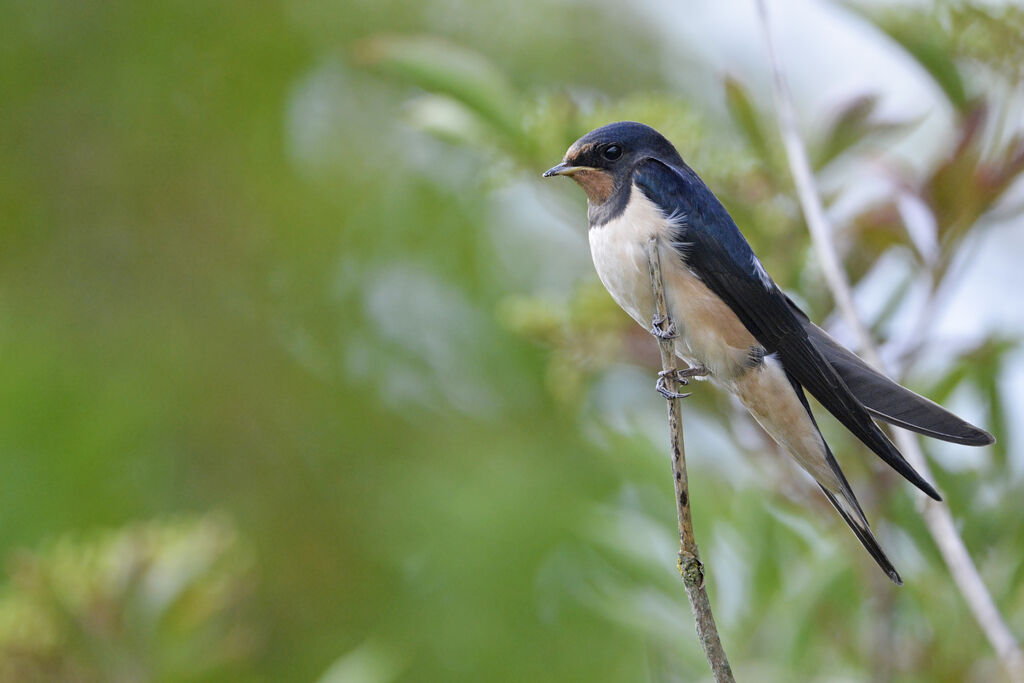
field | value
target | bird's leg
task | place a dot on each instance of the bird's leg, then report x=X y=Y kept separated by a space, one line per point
x=681 y=376
x=659 y=329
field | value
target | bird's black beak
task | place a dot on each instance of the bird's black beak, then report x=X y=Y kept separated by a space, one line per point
x=564 y=168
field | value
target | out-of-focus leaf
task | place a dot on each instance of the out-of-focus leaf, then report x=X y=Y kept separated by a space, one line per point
x=929 y=51
x=551 y=122
x=991 y=35
x=848 y=127
x=448 y=119
x=585 y=334
x=875 y=229
x=950 y=190
x=945 y=33
x=965 y=186
x=969 y=182
x=442 y=67
x=966 y=365
x=997 y=421
x=938 y=64
x=851 y=126
x=533 y=317
x=1015 y=581
x=746 y=118
x=371 y=662
x=155 y=601
x=892 y=304
x=982 y=366
x=994 y=179
x=814 y=605
x=921 y=226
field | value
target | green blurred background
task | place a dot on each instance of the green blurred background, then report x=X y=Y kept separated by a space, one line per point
x=307 y=375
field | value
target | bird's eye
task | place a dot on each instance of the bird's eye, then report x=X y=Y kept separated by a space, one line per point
x=612 y=152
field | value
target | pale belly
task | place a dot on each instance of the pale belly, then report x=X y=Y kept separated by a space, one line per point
x=710 y=334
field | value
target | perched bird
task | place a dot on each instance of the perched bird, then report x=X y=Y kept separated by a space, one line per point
x=734 y=325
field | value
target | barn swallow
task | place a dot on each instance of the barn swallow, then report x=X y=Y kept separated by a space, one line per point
x=733 y=323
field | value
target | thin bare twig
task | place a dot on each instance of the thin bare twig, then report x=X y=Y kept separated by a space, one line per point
x=937 y=517
x=690 y=566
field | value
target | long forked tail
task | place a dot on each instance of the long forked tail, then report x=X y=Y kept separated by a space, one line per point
x=888 y=400
x=863 y=533
x=844 y=500
x=892 y=402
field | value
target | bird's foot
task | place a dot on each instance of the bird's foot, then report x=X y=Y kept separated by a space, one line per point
x=681 y=376
x=662 y=331
x=662 y=385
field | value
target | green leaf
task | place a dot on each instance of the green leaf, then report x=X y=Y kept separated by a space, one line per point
x=951 y=190
x=747 y=118
x=441 y=67
x=851 y=126
x=927 y=48
x=892 y=304
x=877 y=228
x=989 y=353
x=965 y=186
x=937 y=62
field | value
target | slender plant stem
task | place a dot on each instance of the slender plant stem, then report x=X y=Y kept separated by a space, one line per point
x=690 y=566
x=937 y=517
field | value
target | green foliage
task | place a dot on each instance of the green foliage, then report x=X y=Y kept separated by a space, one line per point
x=154 y=602
x=747 y=118
x=948 y=31
x=853 y=125
x=294 y=262
x=932 y=56
x=450 y=70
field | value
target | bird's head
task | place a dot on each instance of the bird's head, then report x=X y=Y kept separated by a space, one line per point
x=602 y=161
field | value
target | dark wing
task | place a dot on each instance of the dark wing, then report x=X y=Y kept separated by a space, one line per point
x=845 y=502
x=867 y=539
x=715 y=251
x=888 y=400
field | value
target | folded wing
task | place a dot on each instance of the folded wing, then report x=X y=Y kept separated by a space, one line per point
x=718 y=254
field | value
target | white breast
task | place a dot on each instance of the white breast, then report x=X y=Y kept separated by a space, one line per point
x=710 y=333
